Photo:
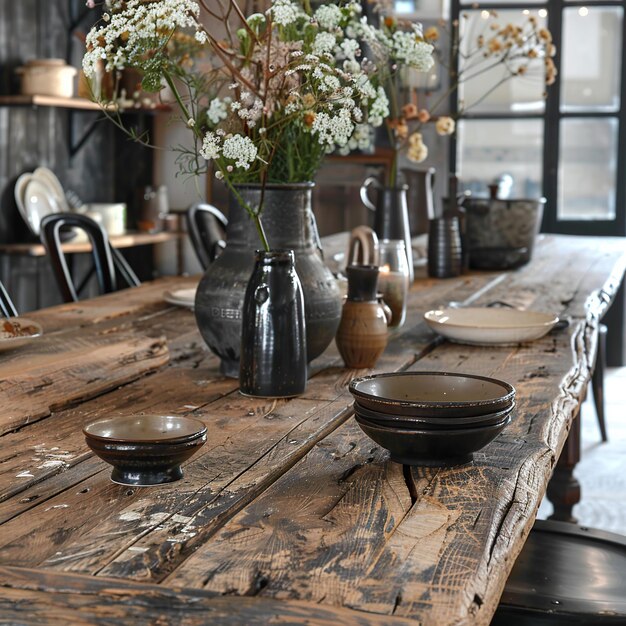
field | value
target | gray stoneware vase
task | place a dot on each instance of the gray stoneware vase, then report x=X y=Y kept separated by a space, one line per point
x=289 y=223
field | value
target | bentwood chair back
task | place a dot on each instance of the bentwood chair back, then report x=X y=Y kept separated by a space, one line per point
x=106 y=259
x=206 y=225
x=7 y=308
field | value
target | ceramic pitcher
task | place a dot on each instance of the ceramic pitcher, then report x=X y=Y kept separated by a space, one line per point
x=391 y=218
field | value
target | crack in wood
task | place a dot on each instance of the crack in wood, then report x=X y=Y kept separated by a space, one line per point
x=259 y=582
x=396 y=603
x=410 y=483
x=351 y=470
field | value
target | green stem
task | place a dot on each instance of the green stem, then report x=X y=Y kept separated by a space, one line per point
x=255 y=216
x=261 y=231
x=179 y=101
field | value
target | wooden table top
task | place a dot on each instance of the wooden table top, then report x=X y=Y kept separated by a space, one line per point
x=289 y=512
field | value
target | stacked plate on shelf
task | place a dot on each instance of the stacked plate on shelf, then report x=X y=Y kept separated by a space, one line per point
x=37 y=194
x=432 y=418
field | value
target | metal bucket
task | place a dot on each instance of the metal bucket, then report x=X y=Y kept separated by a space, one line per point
x=501 y=234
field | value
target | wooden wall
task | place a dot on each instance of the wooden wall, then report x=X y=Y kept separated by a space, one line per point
x=108 y=167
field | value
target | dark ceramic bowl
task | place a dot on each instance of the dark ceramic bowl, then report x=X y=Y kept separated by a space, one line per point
x=430 y=423
x=432 y=394
x=434 y=448
x=148 y=449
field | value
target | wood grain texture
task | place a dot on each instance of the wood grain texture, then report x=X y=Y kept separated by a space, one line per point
x=35 y=597
x=56 y=373
x=289 y=501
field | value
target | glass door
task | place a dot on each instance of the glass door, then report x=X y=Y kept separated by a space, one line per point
x=568 y=147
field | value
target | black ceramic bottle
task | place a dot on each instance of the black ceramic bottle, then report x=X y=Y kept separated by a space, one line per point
x=273 y=361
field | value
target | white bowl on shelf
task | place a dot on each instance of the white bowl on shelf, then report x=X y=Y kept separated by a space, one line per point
x=47 y=77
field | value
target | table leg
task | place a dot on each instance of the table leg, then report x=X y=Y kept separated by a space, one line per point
x=563 y=489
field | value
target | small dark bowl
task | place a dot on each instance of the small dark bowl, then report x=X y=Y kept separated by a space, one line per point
x=432 y=394
x=430 y=423
x=146 y=450
x=433 y=448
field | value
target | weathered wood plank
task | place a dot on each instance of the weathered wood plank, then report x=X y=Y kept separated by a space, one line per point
x=289 y=501
x=446 y=559
x=58 y=372
x=342 y=539
x=37 y=597
x=157 y=554
x=33 y=454
x=137 y=302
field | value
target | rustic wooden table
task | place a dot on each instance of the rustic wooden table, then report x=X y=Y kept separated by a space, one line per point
x=289 y=513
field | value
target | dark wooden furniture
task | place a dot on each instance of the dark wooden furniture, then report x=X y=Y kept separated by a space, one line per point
x=288 y=512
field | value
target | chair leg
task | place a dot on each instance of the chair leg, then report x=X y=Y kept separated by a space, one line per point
x=597 y=380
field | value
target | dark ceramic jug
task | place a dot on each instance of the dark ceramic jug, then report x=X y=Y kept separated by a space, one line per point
x=289 y=224
x=273 y=339
x=391 y=217
x=362 y=334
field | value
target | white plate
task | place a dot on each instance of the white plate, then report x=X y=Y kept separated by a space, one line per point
x=181 y=297
x=18 y=192
x=16 y=331
x=49 y=178
x=490 y=326
x=38 y=202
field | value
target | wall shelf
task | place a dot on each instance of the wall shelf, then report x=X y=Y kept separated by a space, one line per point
x=73 y=103
x=50 y=101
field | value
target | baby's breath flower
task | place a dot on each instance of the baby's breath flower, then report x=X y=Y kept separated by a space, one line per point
x=210 y=146
x=241 y=149
x=284 y=12
x=328 y=16
x=218 y=110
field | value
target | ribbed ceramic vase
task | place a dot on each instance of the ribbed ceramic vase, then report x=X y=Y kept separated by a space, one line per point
x=289 y=224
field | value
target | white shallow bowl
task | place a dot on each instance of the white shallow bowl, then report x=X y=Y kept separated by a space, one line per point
x=17 y=331
x=490 y=326
x=181 y=297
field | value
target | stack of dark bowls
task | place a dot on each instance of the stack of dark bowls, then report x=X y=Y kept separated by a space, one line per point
x=432 y=418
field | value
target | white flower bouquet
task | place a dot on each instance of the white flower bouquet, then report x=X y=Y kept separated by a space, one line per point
x=276 y=93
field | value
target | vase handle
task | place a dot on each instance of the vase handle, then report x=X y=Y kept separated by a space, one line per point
x=316 y=235
x=370 y=180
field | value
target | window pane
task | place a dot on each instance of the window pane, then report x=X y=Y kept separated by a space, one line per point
x=591 y=59
x=507 y=151
x=481 y=91
x=587 y=169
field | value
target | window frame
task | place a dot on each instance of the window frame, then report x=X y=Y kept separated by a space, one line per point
x=552 y=117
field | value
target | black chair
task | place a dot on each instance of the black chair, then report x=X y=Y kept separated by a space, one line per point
x=108 y=262
x=566 y=574
x=207 y=230
x=6 y=304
